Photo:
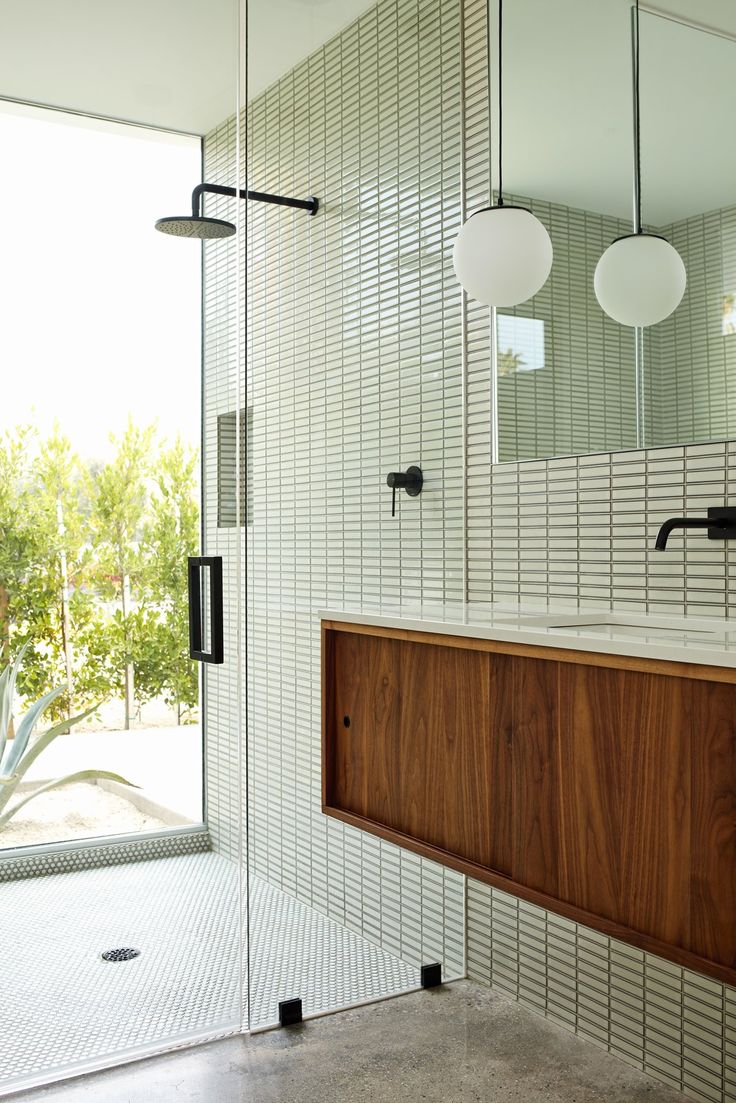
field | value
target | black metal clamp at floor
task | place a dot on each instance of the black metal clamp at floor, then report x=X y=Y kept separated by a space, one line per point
x=290 y=1012
x=432 y=975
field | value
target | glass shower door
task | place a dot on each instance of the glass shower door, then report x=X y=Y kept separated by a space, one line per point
x=120 y=883
x=336 y=307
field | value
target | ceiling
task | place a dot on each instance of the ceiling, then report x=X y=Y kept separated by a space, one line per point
x=567 y=83
x=166 y=63
x=568 y=106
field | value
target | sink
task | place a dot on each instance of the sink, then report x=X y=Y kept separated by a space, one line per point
x=627 y=624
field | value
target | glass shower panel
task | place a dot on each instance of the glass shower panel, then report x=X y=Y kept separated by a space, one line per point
x=121 y=881
x=357 y=104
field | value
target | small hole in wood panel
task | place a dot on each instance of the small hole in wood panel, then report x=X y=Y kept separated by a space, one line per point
x=346 y=721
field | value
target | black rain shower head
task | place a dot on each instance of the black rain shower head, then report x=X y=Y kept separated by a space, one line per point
x=196 y=225
x=189 y=226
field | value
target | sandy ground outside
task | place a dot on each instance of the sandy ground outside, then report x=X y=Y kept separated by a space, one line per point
x=110 y=716
x=75 y=812
x=164 y=763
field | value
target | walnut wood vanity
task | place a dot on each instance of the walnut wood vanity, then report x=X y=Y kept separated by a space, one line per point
x=600 y=786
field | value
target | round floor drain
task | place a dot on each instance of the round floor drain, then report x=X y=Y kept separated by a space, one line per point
x=123 y=954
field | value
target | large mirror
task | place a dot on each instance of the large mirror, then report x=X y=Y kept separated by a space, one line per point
x=568 y=379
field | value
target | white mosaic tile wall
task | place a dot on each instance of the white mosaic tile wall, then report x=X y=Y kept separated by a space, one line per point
x=356 y=358
x=580 y=531
x=354 y=369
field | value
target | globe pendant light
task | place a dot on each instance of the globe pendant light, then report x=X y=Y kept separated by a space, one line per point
x=503 y=254
x=640 y=279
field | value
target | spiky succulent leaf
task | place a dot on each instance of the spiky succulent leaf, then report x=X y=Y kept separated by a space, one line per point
x=8 y=785
x=80 y=775
x=25 y=730
x=7 y=693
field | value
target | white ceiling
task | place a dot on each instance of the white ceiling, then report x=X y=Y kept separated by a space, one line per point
x=166 y=63
x=174 y=64
x=568 y=106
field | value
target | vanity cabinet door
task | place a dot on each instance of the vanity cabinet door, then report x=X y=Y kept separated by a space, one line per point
x=362 y=758
x=418 y=741
x=535 y=775
x=625 y=798
x=453 y=780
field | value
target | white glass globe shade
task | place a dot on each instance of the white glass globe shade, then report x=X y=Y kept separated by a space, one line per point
x=640 y=280
x=502 y=256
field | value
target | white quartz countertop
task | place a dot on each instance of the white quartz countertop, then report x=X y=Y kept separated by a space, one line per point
x=706 y=640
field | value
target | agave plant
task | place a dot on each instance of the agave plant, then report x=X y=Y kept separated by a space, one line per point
x=18 y=755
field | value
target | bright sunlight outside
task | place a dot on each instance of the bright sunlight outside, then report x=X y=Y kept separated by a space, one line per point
x=99 y=478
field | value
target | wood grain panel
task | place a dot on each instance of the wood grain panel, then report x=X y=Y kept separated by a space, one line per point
x=451 y=768
x=535 y=774
x=603 y=792
x=713 y=856
x=625 y=753
x=365 y=772
x=668 y=669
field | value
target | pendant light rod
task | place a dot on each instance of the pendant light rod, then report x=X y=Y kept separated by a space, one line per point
x=637 y=116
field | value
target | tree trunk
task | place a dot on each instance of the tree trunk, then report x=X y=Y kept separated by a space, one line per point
x=129 y=679
x=4 y=626
x=5 y=643
x=66 y=623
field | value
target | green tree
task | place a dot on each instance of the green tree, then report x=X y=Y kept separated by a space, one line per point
x=75 y=618
x=46 y=553
x=119 y=498
x=20 y=540
x=509 y=362
x=170 y=536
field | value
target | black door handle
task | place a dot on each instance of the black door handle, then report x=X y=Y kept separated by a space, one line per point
x=209 y=649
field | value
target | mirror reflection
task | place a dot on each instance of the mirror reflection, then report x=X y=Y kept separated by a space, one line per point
x=568 y=378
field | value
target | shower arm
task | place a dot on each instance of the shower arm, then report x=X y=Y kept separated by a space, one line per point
x=311 y=204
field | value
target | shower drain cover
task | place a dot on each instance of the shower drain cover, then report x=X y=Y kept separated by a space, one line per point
x=125 y=953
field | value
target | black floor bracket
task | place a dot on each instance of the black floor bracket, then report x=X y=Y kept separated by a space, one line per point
x=290 y=1012
x=432 y=975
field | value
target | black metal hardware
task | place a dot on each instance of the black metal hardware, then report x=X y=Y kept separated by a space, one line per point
x=410 y=480
x=432 y=975
x=290 y=1012
x=720 y=523
x=311 y=204
x=346 y=721
x=215 y=653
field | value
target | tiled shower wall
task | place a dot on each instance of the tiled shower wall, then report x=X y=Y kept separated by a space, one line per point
x=579 y=531
x=354 y=369
x=357 y=354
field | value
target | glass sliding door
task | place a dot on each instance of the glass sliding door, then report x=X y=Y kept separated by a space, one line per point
x=120 y=511
x=345 y=314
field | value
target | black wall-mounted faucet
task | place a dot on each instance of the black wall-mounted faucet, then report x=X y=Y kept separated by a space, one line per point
x=410 y=480
x=720 y=523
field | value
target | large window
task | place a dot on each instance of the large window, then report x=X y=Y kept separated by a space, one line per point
x=99 y=474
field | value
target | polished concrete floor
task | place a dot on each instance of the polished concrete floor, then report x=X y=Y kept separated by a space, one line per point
x=456 y=1044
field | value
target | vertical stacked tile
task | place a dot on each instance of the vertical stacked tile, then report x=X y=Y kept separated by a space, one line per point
x=579 y=530
x=354 y=365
